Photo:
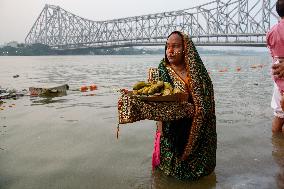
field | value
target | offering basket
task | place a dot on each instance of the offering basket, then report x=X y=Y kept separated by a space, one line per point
x=132 y=108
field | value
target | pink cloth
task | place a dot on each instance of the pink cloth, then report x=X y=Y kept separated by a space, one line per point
x=275 y=39
x=275 y=42
x=156 y=151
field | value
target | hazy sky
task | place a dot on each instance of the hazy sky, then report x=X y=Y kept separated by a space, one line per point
x=18 y=16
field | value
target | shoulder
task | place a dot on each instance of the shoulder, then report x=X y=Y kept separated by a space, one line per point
x=270 y=36
x=162 y=63
x=155 y=74
x=273 y=30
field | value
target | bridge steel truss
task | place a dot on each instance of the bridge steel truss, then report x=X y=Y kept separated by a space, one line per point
x=231 y=23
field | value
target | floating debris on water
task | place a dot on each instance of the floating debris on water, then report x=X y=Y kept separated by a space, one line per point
x=49 y=90
x=93 y=87
x=85 y=88
x=11 y=93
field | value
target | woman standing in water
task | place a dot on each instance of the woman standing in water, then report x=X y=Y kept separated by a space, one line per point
x=186 y=148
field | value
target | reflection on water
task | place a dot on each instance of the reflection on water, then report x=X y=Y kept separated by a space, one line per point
x=278 y=155
x=52 y=95
x=46 y=100
x=161 y=181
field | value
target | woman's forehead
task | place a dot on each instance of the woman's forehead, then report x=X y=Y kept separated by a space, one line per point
x=174 y=38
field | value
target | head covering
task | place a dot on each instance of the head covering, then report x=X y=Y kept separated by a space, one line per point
x=280 y=8
x=203 y=128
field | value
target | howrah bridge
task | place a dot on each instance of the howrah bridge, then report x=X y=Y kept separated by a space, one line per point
x=217 y=23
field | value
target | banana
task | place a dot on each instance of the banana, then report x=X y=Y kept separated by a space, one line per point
x=153 y=89
x=139 y=92
x=167 y=85
x=166 y=92
x=145 y=90
x=160 y=84
x=139 y=85
x=177 y=90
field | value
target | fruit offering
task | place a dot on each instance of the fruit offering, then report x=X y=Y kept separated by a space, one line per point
x=156 y=88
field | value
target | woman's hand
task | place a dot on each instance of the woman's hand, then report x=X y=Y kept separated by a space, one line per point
x=159 y=127
x=278 y=69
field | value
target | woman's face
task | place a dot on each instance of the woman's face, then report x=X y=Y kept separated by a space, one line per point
x=174 y=49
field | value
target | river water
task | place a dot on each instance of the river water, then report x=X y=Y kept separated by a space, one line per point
x=70 y=141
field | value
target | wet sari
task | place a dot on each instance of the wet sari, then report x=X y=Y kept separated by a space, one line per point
x=188 y=145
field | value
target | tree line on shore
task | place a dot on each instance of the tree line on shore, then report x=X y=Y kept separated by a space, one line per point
x=45 y=50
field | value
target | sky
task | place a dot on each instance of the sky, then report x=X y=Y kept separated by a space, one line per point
x=18 y=16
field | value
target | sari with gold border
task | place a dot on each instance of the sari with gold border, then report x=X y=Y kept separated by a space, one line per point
x=188 y=145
